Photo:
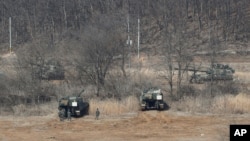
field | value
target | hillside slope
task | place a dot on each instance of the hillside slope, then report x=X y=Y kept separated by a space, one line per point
x=89 y=39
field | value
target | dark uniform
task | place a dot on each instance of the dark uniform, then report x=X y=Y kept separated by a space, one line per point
x=97 y=114
x=61 y=114
x=69 y=115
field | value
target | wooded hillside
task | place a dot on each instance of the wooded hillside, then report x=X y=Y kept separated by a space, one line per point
x=87 y=38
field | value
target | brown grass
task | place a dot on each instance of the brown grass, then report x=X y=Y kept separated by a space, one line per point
x=192 y=104
x=114 y=107
x=243 y=77
x=35 y=110
x=226 y=104
x=238 y=104
x=106 y=107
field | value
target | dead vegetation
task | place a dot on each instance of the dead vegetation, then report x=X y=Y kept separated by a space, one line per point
x=88 y=39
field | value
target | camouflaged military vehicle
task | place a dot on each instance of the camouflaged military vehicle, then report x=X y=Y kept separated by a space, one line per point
x=49 y=70
x=73 y=104
x=152 y=99
x=218 y=72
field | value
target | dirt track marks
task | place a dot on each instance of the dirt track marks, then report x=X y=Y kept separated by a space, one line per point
x=143 y=126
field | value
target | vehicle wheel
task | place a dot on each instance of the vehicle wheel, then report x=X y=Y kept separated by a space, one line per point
x=147 y=106
x=143 y=108
x=87 y=111
x=157 y=105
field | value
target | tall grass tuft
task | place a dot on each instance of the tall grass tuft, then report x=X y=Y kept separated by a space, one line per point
x=35 y=110
x=222 y=104
x=238 y=104
x=113 y=106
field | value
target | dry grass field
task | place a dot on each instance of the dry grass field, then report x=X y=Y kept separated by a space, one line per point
x=88 y=39
x=189 y=119
x=198 y=120
x=141 y=126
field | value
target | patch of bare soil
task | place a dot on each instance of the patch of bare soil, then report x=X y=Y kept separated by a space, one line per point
x=146 y=126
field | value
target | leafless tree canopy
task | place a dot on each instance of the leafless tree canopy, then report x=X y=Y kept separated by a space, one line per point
x=88 y=38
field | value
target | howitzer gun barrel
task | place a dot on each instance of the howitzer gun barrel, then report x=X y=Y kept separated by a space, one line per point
x=79 y=94
x=194 y=70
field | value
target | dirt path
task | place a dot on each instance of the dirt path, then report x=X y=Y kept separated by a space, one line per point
x=143 y=126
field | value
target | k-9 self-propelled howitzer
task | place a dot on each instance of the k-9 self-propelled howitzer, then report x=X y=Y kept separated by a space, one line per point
x=73 y=104
x=217 y=72
x=152 y=99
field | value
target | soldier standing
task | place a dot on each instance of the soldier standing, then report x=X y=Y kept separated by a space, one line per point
x=61 y=114
x=69 y=115
x=97 y=114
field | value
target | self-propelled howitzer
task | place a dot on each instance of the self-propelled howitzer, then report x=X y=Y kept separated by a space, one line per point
x=218 y=72
x=152 y=99
x=73 y=104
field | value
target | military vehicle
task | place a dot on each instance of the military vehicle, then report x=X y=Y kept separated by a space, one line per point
x=73 y=104
x=217 y=72
x=50 y=70
x=152 y=99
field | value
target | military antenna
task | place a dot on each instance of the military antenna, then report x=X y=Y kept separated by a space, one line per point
x=10 y=31
x=129 y=42
x=138 y=37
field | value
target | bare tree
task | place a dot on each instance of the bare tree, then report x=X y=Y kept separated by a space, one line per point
x=176 y=46
x=98 y=52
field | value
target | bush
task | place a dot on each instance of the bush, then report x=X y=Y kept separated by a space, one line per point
x=35 y=110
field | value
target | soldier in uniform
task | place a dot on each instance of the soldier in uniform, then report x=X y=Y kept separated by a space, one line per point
x=69 y=115
x=97 y=114
x=61 y=114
